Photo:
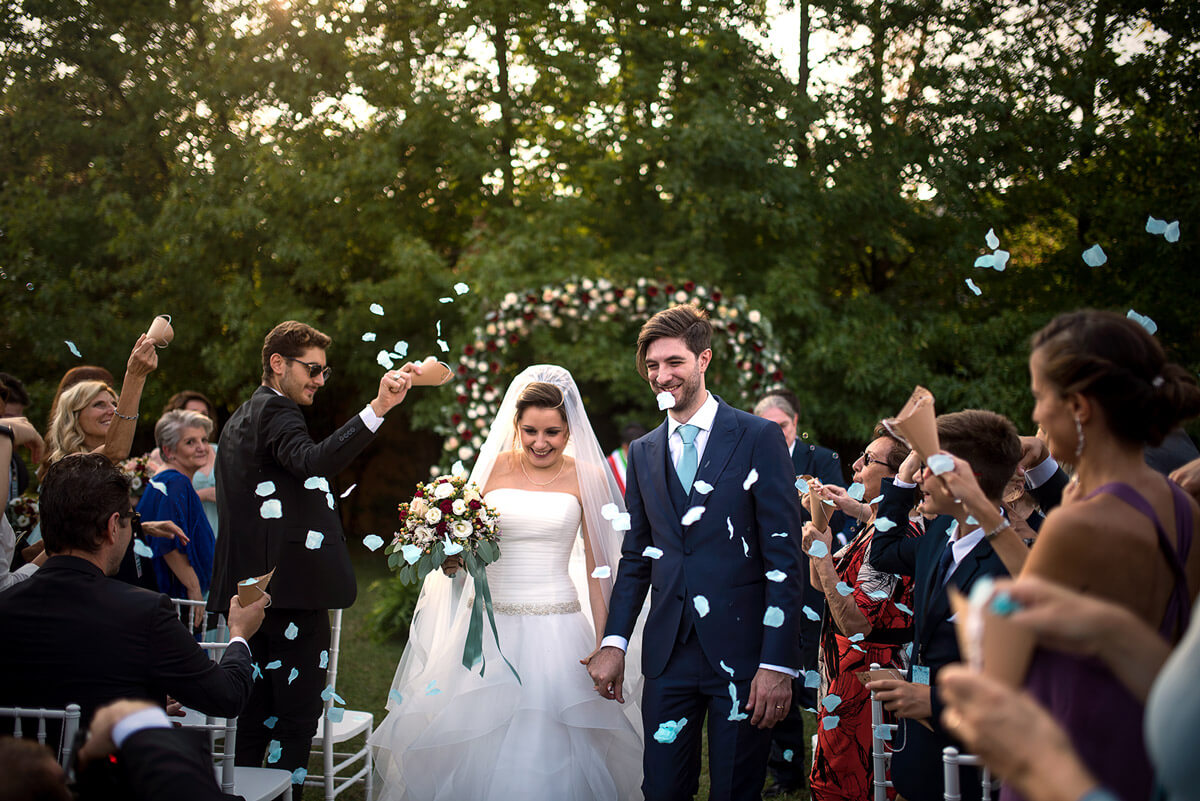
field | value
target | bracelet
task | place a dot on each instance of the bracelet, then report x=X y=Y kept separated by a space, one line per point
x=1003 y=525
x=125 y=416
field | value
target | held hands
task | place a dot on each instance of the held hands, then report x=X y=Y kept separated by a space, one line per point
x=904 y=699
x=393 y=388
x=770 y=697
x=606 y=666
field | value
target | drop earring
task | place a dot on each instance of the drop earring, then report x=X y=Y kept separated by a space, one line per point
x=1079 y=438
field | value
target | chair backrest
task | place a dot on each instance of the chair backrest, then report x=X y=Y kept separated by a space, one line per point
x=880 y=756
x=184 y=608
x=222 y=730
x=66 y=738
x=951 y=759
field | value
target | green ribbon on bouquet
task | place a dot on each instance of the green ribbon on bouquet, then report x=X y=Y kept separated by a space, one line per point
x=473 y=649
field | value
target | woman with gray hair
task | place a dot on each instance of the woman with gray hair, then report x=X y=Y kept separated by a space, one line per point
x=183 y=571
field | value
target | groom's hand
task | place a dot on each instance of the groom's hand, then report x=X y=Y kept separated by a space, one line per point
x=607 y=669
x=770 y=697
x=393 y=387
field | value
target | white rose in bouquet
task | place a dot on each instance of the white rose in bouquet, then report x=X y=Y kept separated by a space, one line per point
x=444 y=489
x=462 y=529
x=459 y=507
x=433 y=516
x=418 y=507
x=471 y=493
x=426 y=534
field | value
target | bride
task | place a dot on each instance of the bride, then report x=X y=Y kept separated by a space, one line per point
x=454 y=734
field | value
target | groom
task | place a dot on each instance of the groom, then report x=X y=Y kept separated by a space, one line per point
x=714 y=536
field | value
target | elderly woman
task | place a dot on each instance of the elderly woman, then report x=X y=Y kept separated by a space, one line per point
x=868 y=621
x=183 y=571
x=1103 y=390
x=205 y=479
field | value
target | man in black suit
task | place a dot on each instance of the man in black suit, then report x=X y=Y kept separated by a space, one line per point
x=954 y=551
x=71 y=634
x=278 y=513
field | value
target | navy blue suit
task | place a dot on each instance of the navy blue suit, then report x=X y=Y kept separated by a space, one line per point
x=691 y=660
x=917 y=767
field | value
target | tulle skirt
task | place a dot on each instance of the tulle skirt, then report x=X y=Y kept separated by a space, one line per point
x=452 y=735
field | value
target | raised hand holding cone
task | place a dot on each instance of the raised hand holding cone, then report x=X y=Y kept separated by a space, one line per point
x=916 y=424
x=433 y=373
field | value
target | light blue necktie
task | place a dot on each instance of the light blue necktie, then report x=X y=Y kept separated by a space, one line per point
x=689 y=460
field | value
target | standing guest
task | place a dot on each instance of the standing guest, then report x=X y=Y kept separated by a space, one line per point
x=277 y=513
x=780 y=406
x=15 y=432
x=869 y=625
x=16 y=400
x=84 y=372
x=618 y=460
x=205 y=479
x=72 y=635
x=1103 y=390
x=714 y=537
x=182 y=570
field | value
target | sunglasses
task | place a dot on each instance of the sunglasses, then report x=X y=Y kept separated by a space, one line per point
x=314 y=368
x=868 y=459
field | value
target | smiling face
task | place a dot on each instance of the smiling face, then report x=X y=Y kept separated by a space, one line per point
x=292 y=378
x=544 y=435
x=672 y=367
x=785 y=422
x=1052 y=411
x=190 y=454
x=96 y=417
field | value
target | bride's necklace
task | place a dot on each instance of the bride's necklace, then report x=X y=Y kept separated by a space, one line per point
x=561 y=464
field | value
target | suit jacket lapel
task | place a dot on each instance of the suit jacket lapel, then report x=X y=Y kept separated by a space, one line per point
x=722 y=440
x=656 y=467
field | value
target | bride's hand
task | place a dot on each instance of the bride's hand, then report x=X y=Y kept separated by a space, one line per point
x=588 y=659
x=452 y=565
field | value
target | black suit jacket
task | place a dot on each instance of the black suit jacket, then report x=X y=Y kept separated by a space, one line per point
x=267 y=440
x=822 y=463
x=916 y=769
x=73 y=635
x=154 y=764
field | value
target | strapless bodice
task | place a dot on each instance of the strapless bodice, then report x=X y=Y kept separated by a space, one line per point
x=537 y=532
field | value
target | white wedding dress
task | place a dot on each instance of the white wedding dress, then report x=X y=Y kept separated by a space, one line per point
x=453 y=735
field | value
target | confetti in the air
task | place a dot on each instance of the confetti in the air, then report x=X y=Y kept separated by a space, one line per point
x=971 y=285
x=902 y=607
x=295 y=674
x=401 y=349
x=1000 y=260
x=431 y=688
x=369 y=336
x=384 y=360
x=270 y=722
x=812 y=678
x=142 y=549
x=1172 y=232
x=329 y=692
x=1143 y=321
x=451 y=548
x=264 y=489
x=313 y=540
x=818 y=550
x=692 y=515
x=73 y=349
x=349 y=490
x=443 y=345
x=621 y=522
x=396 y=696
x=726 y=668
x=876 y=500
x=274 y=664
x=856 y=491
x=811 y=613
x=735 y=714
x=669 y=730
x=884 y=524
x=317 y=483
x=158 y=485
x=652 y=553
x=830 y=722
x=665 y=400
x=336 y=714
x=376 y=309
x=701 y=604
x=274 y=751
x=461 y=289
x=776 y=576
x=802 y=485
x=751 y=477
x=291 y=632
x=992 y=240
x=831 y=702
x=882 y=731
x=324 y=663
x=299 y=775
x=773 y=617
x=373 y=542
x=445 y=300
x=788 y=755
x=609 y=510
x=1094 y=256
x=602 y=572
x=702 y=487
x=411 y=553
x=745 y=547
x=941 y=463
x=271 y=510
x=844 y=589
x=729 y=524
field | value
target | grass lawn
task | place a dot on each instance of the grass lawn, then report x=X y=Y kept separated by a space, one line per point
x=366 y=669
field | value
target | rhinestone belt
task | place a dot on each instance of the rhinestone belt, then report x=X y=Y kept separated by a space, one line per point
x=562 y=608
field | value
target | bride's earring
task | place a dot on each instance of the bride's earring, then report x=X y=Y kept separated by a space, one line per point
x=1080 y=442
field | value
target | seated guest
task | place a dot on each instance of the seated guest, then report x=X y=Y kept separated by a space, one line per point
x=869 y=625
x=72 y=635
x=954 y=551
x=183 y=571
x=15 y=432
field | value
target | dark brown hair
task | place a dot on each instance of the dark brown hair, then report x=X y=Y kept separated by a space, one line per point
x=897 y=450
x=180 y=400
x=687 y=322
x=987 y=441
x=79 y=494
x=540 y=395
x=290 y=339
x=1118 y=364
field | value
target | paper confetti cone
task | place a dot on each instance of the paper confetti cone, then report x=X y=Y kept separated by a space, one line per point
x=161 y=331
x=251 y=590
x=433 y=373
x=992 y=643
x=917 y=423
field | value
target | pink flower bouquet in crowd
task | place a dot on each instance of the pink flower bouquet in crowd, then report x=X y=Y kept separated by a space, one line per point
x=139 y=470
x=446 y=517
x=23 y=513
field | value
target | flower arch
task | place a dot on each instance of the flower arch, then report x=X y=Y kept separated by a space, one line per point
x=753 y=350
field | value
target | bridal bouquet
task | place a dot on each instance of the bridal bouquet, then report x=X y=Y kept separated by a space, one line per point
x=446 y=517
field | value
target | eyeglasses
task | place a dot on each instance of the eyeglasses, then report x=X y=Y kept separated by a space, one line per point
x=314 y=368
x=135 y=519
x=868 y=459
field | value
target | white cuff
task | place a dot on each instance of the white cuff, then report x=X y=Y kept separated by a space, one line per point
x=778 y=669
x=242 y=640
x=150 y=718
x=1039 y=474
x=902 y=484
x=370 y=419
x=616 y=641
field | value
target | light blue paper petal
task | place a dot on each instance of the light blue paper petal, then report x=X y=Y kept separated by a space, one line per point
x=71 y=346
x=844 y=589
x=1003 y=604
x=142 y=549
x=652 y=553
x=376 y=309
x=751 y=478
x=987 y=261
x=368 y=336
x=971 y=521
x=1143 y=321
x=442 y=344
x=461 y=288
x=451 y=548
x=299 y=775
x=396 y=696
x=384 y=360
x=621 y=522
x=1094 y=256
x=158 y=485
x=882 y=732
x=940 y=463
x=773 y=617
x=971 y=285
x=274 y=664
x=336 y=714
x=729 y=525
x=812 y=678
x=1000 y=262
x=735 y=714
x=856 y=491
x=264 y=489
x=432 y=688
x=830 y=722
x=726 y=668
x=692 y=515
x=884 y=524
x=902 y=608
x=1155 y=226
x=952 y=529
x=274 y=751
x=702 y=487
x=818 y=550
x=788 y=755
x=875 y=500
x=401 y=349
x=831 y=702
x=445 y=300
x=295 y=674
x=811 y=613
x=602 y=572
x=324 y=663
x=992 y=240
x=776 y=576
x=745 y=547
x=1172 y=232
x=439 y=328
x=879 y=595
x=373 y=542
x=317 y=483
x=856 y=637
x=701 y=604
x=271 y=510
x=411 y=553
x=802 y=485
x=270 y=722
x=857 y=647
x=313 y=540
x=669 y=730
x=291 y=632
x=255 y=671
x=780 y=534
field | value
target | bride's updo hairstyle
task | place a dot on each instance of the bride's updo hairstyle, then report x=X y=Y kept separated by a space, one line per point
x=539 y=395
x=1118 y=364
